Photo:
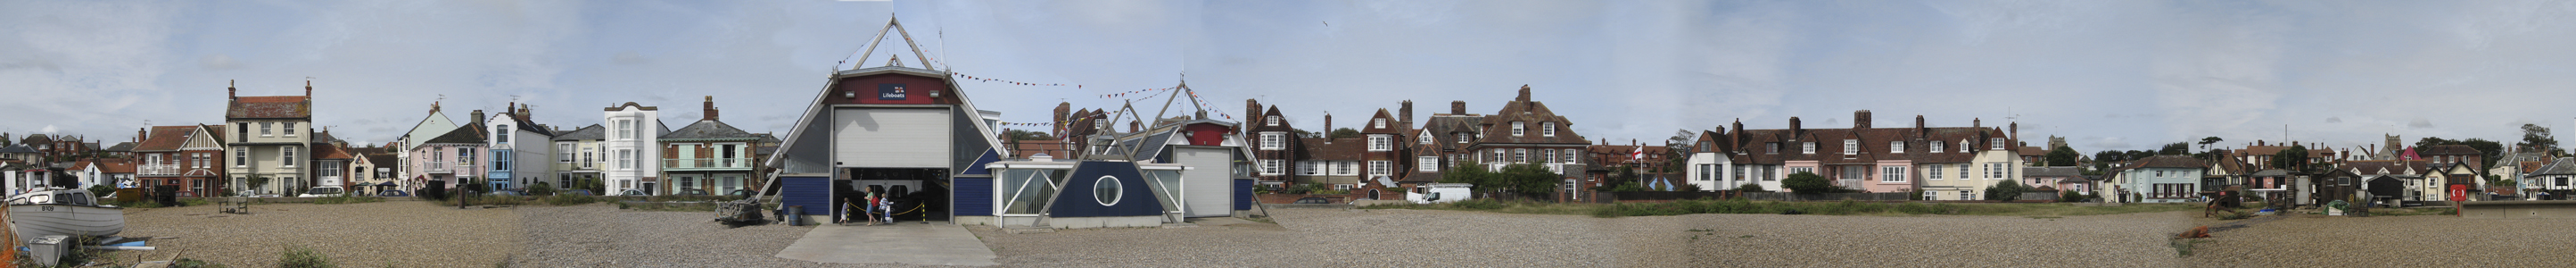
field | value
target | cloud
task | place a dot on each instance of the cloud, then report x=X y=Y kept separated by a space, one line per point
x=48 y=129
x=2109 y=143
x=218 y=62
x=2334 y=119
x=2420 y=123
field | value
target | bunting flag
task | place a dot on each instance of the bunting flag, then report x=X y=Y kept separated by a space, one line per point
x=988 y=80
x=1027 y=124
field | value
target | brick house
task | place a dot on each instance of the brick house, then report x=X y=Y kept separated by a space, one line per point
x=1946 y=163
x=188 y=157
x=1280 y=157
x=1527 y=132
x=1440 y=142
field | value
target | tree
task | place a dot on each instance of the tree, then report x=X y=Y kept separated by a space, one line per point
x=1469 y=172
x=2176 y=148
x=1528 y=180
x=1024 y=135
x=257 y=181
x=1301 y=133
x=2006 y=190
x=2205 y=142
x=2294 y=158
x=2062 y=157
x=1808 y=183
x=1339 y=133
x=2069 y=196
x=2487 y=149
x=2536 y=138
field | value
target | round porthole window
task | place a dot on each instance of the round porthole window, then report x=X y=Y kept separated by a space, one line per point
x=1106 y=190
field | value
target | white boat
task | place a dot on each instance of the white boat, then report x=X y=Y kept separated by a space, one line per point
x=71 y=212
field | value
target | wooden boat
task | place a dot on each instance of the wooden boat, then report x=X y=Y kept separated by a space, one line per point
x=71 y=212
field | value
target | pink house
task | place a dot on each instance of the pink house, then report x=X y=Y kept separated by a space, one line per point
x=448 y=158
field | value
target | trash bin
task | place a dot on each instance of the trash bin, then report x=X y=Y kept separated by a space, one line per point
x=795 y=216
x=47 y=250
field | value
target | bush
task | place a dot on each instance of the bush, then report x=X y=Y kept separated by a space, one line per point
x=2070 y=196
x=2007 y=190
x=541 y=189
x=1487 y=204
x=1751 y=188
x=568 y=200
x=303 y=257
x=1808 y=183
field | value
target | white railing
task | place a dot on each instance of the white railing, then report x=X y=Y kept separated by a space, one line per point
x=157 y=170
x=706 y=163
x=437 y=167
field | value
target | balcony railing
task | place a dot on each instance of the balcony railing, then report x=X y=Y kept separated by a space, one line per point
x=437 y=167
x=157 y=170
x=685 y=163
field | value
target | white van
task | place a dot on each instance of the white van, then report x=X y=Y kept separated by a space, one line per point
x=324 y=191
x=1440 y=193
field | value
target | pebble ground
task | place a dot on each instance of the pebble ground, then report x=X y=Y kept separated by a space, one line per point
x=395 y=234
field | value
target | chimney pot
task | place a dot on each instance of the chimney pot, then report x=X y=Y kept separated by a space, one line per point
x=308 y=88
x=231 y=89
x=1405 y=114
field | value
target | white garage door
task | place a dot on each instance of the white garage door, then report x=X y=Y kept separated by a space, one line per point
x=1205 y=185
x=891 y=138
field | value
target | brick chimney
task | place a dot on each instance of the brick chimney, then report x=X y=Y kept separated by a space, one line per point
x=230 y=89
x=478 y=117
x=1252 y=110
x=139 y=133
x=1404 y=115
x=1524 y=94
x=710 y=109
x=1061 y=109
x=523 y=113
x=1918 y=124
x=1860 y=119
x=1795 y=128
x=1458 y=107
x=2015 y=134
x=1977 y=123
x=1328 y=128
x=308 y=88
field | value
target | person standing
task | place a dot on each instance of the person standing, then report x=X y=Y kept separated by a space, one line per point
x=872 y=207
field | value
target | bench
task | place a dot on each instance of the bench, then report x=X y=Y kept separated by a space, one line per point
x=234 y=205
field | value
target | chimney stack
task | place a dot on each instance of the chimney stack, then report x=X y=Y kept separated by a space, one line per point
x=1795 y=128
x=710 y=108
x=231 y=89
x=1458 y=107
x=2015 y=134
x=139 y=133
x=523 y=113
x=1252 y=110
x=478 y=117
x=1405 y=115
x=1860 y=119
x=1739 y=125
x=1328 y=128
x=308 y=88
x=1524 y=98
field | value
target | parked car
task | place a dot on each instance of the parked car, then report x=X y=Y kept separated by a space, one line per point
x=392 y=193
x=324 y=191
x=631 y=192
x=693 y=192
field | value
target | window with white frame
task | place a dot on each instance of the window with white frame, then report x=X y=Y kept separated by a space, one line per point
x=1739 y=173
x=290 y=129
x=1381 y=143
x=1963 y=171
x=1931 y=195
x=1936 y=147
x=1707 y=172
x=1807 y=147
x=1520 y=155
x=1346 y=168
x=1851 y=146
x=1995 y=170
x=1518 y=129
x=1891 y=174
x=1932 y=172
x=1427 y=164
x=1997 y=143
x=1273 y=141
x=1498 y=155
x=1896 y=147
x=1967 y=195
x=1547 y=128
x=1273 y=121
x=1425 y=137
x=1377 y=122
x=287 y=154
x=1963 y=145
x=501 y=132
x=264 y=128
x=1462 y=138
x=1796 y=170
x=1381 y=167
x=625 y=159
x=563 y=152
x=1547 y=155
x=1270 y=166
x=1570 y=159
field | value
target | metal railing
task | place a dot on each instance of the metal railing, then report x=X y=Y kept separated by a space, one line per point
x=157 y=170
x=706 y=163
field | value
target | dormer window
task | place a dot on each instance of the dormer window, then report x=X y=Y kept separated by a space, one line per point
x=1548 y=128
x=1519 y=129
x=1963 y=145
x=1851 y=146
x=1771 y=148
x=1896 y=147
x=1462 y=138
x=1807 y=147
x=1273 y=121
x=1997 y=143
x=1936 y=146
x=1377 y=122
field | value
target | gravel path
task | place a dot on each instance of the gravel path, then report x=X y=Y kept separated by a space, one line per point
x=2399 y=241
x=399 y=234
x=2125 y=240
x=600 y=235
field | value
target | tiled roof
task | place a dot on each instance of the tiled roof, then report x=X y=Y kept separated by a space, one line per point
x=116 y=167
x=18 y=148
x=2051 y=172
x=270 y=107
x=122 y=147
x=592 y=132
x=1342 y=149
x=2033 y=151
x=1498 y=126
x=166 y=138
x=36 y=139
x=2564 y=166
x=331 y=152
x=384 y=159
x=2168 y=161
x=709 y=129
x=469 y=133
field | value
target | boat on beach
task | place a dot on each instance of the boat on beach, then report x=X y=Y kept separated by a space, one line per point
x=68 y=212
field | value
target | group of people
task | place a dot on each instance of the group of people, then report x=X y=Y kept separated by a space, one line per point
x=874 y=207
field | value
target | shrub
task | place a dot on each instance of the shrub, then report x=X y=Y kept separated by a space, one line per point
x=1751 y=188
x=541 y=189
x=303 y=257
x=568 y=200
x=2007 y=190
x=1807 y=183
x=2070 y=196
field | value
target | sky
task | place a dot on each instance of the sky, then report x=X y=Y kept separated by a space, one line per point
x=2107 y=75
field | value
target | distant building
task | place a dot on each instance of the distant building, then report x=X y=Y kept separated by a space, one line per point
x=269 y=144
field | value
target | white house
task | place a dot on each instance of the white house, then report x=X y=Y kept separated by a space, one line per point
x=633 y=146
x=520 y=149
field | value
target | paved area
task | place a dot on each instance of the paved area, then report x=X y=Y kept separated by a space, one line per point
x=935 y=243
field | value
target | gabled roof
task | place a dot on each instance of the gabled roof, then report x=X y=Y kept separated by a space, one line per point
x=384 y=159
x=36 y=139
x=270 y=107
x=166 y=138
x=116 y=167
x=2033 y=151
x=2168 y=161
x=1342 y=149
x=469 y=133
x=709 y=129
x=1497 y=127
x=18 y=148
x=122 y=147
x=592 y=132
x=326 y=151
x=2051 y=172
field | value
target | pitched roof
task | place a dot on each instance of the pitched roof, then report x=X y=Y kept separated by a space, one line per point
x=166 y=138
x=331 y=152
x=1534 y=115
x=18 y=148
x=469 y=133
x=2564 y=166
x=709 y=129
x=116 y=167
x=122 y=147
x=2168 y=161
x=270 y=107
x=2051 y=172
x=1342 y=149
x=385 y=159
x=592 y=132
x=2448 y=149
x=36 y=138
x=2033 y=151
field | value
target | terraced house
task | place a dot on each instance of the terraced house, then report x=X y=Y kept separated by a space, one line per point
x=519 y=149
x=578 y=156
x=449 y=158
x=1946 y=163
x=269 y=141
x=708 y=155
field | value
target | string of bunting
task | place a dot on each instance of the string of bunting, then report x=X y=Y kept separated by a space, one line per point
x=982 y=79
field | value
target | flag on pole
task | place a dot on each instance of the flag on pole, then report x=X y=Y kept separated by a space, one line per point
x=1639 y=154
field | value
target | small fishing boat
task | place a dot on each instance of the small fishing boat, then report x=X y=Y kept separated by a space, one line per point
x=69 y=212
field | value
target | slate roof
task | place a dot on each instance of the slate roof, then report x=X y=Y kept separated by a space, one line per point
x=384 y=160
x=270 y=107
x=2168 y=161
x=592 y=132
x=1444 y=128
x=2051 y=172
x=122 y=147
x=709 y=129
x=18 y=148
x=166 y=138
x=1498 y=126
x=2564 y=166
x=1342 y=149
x=36 y=139
x=469 y=133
